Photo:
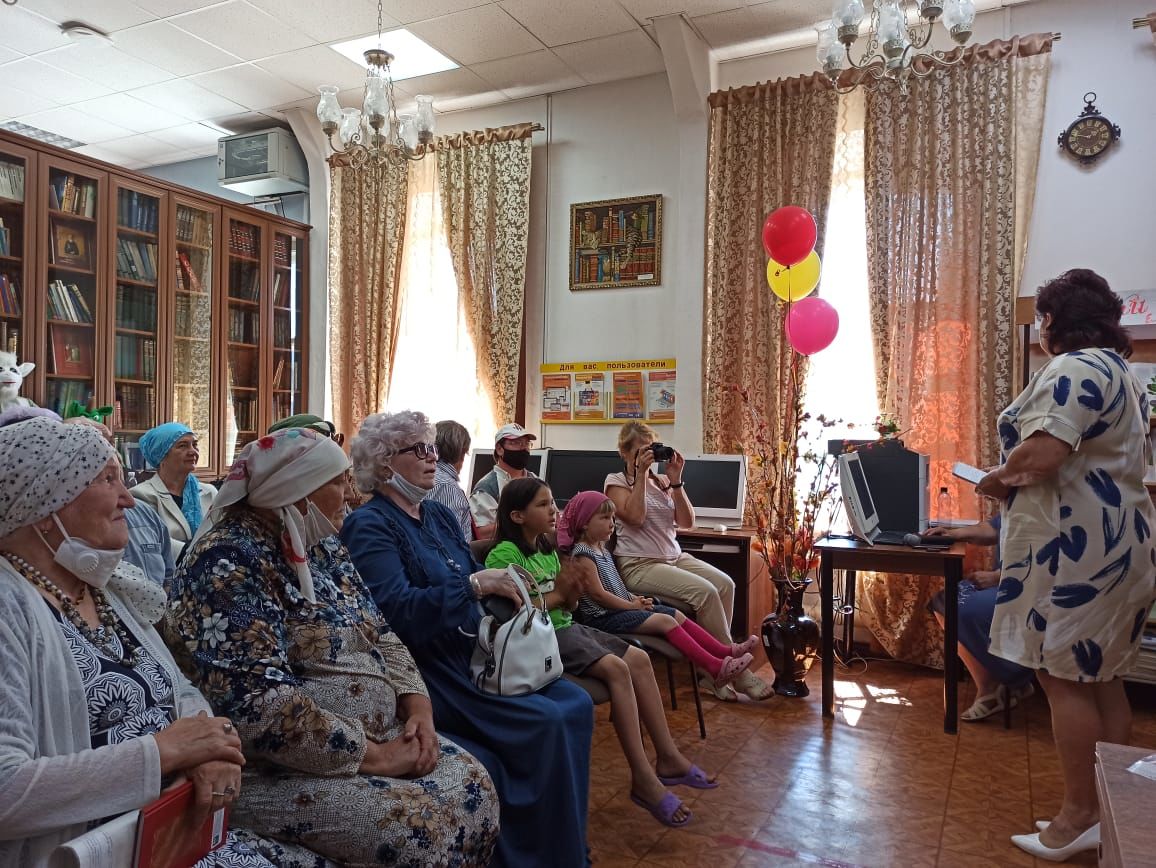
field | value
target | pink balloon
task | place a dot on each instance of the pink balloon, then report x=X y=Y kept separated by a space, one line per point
x=811 y=325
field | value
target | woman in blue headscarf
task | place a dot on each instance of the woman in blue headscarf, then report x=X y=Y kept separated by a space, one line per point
x=180 y=499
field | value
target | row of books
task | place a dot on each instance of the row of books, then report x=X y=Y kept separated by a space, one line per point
x=604 y=267
x=136 y=308
x=187 y=278
x=135 y=407
x=66 y=301
x=12 y=181
x=613 y=226
x=245 y=412
x=244 y=239
x=9 y=337
x=193 y=317
x=194 y=227
x=243 y=369
x=137 y=211
x=283 y=336
x=244 y=327
x=278 y=372
x=285 y=405
x=63 y=392
x=76 y=195
x=281 y=286
x=9 y=295
x=281 y=250
x=136 y=260
x=244 y=281
x=640 y=265
x=136 y=358
x=5 y=239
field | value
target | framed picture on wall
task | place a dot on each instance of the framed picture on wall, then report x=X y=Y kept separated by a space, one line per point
x=616 y=242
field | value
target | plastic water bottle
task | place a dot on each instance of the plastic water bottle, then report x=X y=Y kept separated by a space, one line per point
x=944 y=507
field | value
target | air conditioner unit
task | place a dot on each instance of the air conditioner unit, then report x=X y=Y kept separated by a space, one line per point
x=264 y=163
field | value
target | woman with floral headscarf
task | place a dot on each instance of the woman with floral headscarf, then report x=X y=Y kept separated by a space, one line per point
x=273 y=622
x=180 y=499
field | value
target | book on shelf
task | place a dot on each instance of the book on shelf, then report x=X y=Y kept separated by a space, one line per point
x=5 y=239
x=281 y=250
x=277 y=372
x=244 y=281
x=137 y=211
x=282 y=329
x=135 y=407
x=135 y=357
x=136 y=308
x=244 y=239
x=281 y=286
x=187 y=279
x=283 y=405
x=67 y=302
x=243 y=326
x=9 y=337
x=9 y=295
x=62 y=392
x=136 y=260
x=194 y=227
x=75 y=195
x=12 y=180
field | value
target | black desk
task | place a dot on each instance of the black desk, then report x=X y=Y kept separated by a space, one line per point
x=852 y=555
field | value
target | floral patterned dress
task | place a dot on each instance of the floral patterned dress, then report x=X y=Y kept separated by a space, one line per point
x=306 y=684
x=1078 y=552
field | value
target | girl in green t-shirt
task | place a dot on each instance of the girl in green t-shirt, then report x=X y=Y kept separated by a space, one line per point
x=526 y=517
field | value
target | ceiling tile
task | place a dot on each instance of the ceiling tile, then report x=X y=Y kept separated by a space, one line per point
x=106 y=15
x=476 y=35
x=529 y=74
x=408 y=11
x=780 y=16
x=142 y=148
x=48 y=81
x=248 y=122
x=172 y=49
x=75 y=124
x=130 y=113
x=105 y=64
x=14 y=103
x=557 y=22
x=329 y=20
x=727 y=28
x=315 y=66
x=30 y=33
x=627 y=55
x=165 y=8
x=242 y=30
x=183 y=97
x=253 y=88
x=474 y=101
x=451 y=84
x=643 y=9
x=7 y=54
x=188 y=136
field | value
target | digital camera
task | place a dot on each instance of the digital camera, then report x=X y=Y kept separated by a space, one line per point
x=662 y=452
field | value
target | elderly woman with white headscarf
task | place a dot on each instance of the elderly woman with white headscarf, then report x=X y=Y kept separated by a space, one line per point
x=273 y=622
x=95 y=717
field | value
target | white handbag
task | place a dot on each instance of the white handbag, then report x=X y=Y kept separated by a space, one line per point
x=518 y=656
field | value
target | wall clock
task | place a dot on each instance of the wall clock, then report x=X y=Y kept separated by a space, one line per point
x=1089 y=135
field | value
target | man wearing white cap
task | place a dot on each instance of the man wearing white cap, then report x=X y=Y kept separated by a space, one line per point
x=511 y=455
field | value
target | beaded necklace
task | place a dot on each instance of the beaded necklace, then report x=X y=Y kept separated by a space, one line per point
x=110 y=625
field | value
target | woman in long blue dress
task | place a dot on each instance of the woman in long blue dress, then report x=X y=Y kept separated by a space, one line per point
x=415 y=561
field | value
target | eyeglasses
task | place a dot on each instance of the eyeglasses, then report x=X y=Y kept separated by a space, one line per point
x=420 y=450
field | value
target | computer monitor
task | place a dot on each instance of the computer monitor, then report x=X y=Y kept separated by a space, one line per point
x=857 y=499
x=572 y=470
x=482 y=462
x=717 y=486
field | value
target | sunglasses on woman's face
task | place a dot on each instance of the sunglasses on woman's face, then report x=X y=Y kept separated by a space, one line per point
x=421 y=451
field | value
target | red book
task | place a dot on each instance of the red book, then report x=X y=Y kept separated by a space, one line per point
x=168 y=837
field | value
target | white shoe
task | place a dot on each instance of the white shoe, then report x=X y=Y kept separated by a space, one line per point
x=753 y=686
x=726 y=693
x=1089 y=839
x=1042 y=824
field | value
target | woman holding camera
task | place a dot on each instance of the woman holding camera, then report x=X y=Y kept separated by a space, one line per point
x=649 y=509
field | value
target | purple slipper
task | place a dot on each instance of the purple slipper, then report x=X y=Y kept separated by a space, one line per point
x=664 y=810
x=696 y=778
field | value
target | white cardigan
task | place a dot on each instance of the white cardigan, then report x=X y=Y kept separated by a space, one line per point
x=153 y=492
x=52 y=781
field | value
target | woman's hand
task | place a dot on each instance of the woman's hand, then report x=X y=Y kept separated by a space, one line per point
x=674 y=467
x=643 y=603
x=985 y=578
x=192 y=741
x=498 y=581
x=419 y=728
x=643 y=459
x=993 y=486
x=215 y=784
x=391 y=759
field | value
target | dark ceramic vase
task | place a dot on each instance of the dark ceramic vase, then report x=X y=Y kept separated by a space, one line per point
x=791 y=640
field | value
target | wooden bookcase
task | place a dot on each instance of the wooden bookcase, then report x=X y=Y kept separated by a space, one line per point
x=160 y=301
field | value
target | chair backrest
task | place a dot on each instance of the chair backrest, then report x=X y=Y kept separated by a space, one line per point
x=481 y=548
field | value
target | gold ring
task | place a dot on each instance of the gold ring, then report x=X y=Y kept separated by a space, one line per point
x=222 y=795
x=228 y=727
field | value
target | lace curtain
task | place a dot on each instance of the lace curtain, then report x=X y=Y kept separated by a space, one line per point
x=485 y=191
x=950 y=167
x=366 y=225
x=770 y=145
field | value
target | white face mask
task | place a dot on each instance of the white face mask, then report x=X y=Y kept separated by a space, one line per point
x=415 y=494
x=317 y=525
x=91 y=565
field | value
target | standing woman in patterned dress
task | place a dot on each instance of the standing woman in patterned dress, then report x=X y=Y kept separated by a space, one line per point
x=1078 y=554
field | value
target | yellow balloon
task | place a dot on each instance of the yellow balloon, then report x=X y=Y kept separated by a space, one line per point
x=790 y=283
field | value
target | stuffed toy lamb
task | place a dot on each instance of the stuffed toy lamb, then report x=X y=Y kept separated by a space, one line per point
x=12 y=377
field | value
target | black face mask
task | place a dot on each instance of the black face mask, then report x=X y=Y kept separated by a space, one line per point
x=516 y=458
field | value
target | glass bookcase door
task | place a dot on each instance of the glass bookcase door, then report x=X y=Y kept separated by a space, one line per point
x=288 y=326
x=136 y=320
x=193 y=325
x=73 y=291
x=243 y=336
x=17 y=180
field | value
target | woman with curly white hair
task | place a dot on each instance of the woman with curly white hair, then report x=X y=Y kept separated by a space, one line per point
x=412 y=556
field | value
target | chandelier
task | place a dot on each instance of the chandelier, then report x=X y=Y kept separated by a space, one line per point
x=375 y=134
x=896 y=34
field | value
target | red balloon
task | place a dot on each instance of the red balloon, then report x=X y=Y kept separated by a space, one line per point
x=789 y=234
x=811 y=325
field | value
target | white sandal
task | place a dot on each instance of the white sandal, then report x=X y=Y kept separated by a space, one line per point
x=987 y=705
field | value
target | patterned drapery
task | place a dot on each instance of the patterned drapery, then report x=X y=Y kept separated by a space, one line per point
x=770 y=145
x=950 y=165
x=485 y=188
x=366 y=226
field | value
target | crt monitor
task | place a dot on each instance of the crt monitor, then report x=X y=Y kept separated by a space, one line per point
x=717 y=486
x=482 y=462
x=857 y=499
x=572 y=470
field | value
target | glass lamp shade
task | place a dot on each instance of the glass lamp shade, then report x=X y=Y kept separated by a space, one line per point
x=847 y=13
x=328 y=109
x=407 y=131
x=959 y=16
x=350 y=124
x=892 y=29
x=376 y=102
x=425 y=116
